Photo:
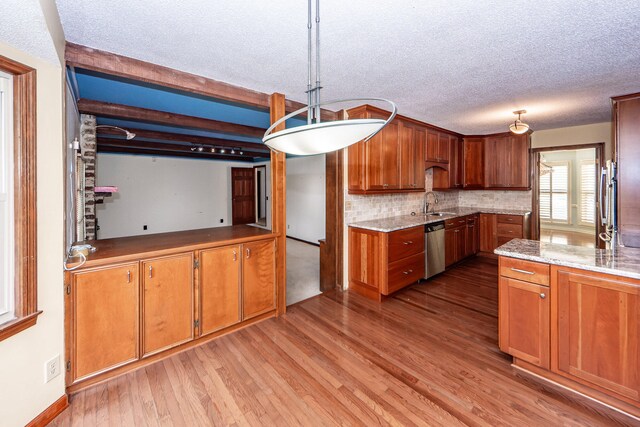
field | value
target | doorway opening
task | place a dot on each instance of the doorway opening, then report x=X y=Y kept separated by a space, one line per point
x=306 y=197
x=262 y=199
x=565 y=196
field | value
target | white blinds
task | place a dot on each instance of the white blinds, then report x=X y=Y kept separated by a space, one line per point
x=554 y=193
x=587 y=192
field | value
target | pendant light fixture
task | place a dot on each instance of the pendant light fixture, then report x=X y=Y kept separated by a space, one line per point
x=318 y=137
x=519 y=127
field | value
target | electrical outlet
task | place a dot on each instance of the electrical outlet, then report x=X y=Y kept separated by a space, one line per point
x=52 y=369
x=144 y=227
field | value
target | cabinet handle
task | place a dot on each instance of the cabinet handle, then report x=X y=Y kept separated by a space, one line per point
x=456 y=231
x=543 y=295
x=385 y=185
x=150 y=271
x=407 y=272
x=128 y=276
x=517 y=270
x=408 y=242
x=248 y=253
x=235 y=256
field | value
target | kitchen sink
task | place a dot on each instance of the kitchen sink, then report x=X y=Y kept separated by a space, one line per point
x=438 y=213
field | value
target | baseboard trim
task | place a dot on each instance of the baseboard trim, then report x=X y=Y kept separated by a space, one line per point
x=303 y=241
x=50 y=413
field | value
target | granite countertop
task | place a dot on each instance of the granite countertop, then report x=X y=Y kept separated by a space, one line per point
x=621 y=261
x=407 y=221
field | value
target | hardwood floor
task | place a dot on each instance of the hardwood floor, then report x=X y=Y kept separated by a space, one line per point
x=426 y=356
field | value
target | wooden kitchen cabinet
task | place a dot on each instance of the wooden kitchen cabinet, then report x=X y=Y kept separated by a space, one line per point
x=392 y=161
x=219 y=283
x=167 y=302
x=473 y=154
x=104 y=314
x=381 y=263
x=455 y=243
x=258 y=278
x=488 y=236
x=451 y=178
x=412 y=147
x=472 y=236
x=524 y=315
x=507 y=162
x=597 y=341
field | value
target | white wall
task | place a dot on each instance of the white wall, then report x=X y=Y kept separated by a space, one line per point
x=23 y=392
x=575 y=135
x=306 y=197
x=164 y=193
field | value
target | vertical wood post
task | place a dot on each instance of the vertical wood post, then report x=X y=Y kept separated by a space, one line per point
x=279 y=205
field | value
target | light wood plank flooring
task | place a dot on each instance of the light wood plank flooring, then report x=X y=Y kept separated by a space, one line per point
x=427 y=356
x=564 y=237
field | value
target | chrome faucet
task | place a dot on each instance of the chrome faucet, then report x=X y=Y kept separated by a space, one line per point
x=426 y=200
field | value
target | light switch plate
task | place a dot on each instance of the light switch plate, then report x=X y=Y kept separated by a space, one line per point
x=52 y=369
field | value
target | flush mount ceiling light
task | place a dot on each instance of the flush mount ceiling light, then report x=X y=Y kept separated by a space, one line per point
x=129 y=135
x=519 y=127
x=316 y=137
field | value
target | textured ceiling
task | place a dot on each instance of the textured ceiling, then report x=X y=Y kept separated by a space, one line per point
x=462 y=65
x=23 y=26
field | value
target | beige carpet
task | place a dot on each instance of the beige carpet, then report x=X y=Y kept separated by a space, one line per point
x=303 y=271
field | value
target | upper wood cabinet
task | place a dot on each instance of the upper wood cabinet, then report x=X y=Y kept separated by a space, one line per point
x=258 y=278
x=104 y=313
x=450 y=177
x=390 y=162
x=598 y=333
x=412 y=146
x=473 y=155
x=167 y=303
x=507 y=161
x=437 y=147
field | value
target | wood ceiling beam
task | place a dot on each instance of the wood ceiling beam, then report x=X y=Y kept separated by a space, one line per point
x=178 y=137
x=162 y=146
x=208 y=156
x=135 y=69
x=105 y=109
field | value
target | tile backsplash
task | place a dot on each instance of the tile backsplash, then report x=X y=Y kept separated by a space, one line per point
x=362 y=208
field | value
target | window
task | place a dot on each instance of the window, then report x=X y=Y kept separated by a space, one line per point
x=18 y=278
x=6 y=199
x=554 y=192
x=587 y=192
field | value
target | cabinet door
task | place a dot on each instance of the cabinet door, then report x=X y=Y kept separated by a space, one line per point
x=432 y=149
x=443 y=148
x=419 y=141
x=407 y=158
x=598 y=334
x=473 y=153
x=383 y=172
x=450 y=251
x=471 y=237
x=219 y=288
x=460 y=236
x=524 y=312
x=488 y=236
x=167 y=310
x=497 y=164
x=105 y=319
x=259 y=278
x=518 y=174
x=455 y=163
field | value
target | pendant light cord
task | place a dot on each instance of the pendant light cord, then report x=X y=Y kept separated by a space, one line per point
x=313 y=93
x=317 y=89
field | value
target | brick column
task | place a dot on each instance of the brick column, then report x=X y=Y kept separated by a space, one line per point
x=88 y=153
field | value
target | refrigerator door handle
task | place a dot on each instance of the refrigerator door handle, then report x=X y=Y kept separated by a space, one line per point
x=604 y=202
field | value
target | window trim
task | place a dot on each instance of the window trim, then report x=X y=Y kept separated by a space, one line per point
x=569 y=219
x=582 y=163
x=25 y=213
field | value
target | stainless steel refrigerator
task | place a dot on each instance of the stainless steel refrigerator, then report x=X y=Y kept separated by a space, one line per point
x=609 y=205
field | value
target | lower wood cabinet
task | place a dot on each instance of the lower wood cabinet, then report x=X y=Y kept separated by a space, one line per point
x=461 y=238
x=131 y=313
x=598 y=331
x=381 y=263
x=498 y=229
x=219 y=288
x=574 y=327
x=258 y=278
x=104 y=315
x=167 y=303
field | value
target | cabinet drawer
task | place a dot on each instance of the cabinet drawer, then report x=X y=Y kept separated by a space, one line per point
x=404 y=272
x=509 y=230
x=528 y=271
x=455 y=222
x=510 y=219
x=404 y=243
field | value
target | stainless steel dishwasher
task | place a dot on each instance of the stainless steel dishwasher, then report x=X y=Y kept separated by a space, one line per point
x=434 y=251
